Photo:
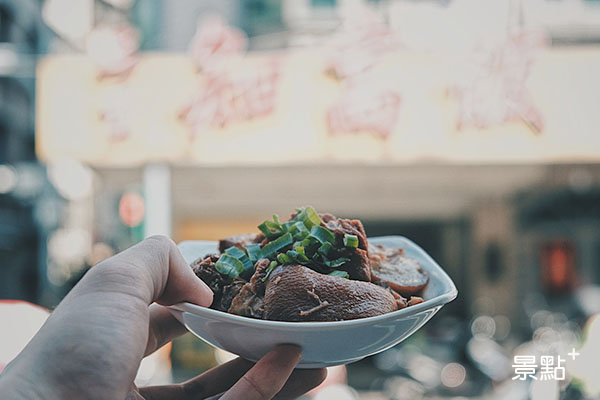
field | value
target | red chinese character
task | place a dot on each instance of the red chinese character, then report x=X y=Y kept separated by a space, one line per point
x=495 y=91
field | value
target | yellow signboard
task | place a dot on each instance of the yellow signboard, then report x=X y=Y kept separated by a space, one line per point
x=285 y=109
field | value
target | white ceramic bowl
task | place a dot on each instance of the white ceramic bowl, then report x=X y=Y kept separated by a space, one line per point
x=323 y=343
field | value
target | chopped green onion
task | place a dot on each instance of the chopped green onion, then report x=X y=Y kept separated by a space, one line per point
x=229 y=265
x=310 y=246
x=269 y=234
x=301 y=228
x=287 y=225
x=307 y=242
x=273 y=247
x=337 y=263
x=284 y=258
x=325 y=249
x=272 y=229
x=270 y=268
x=298 y=230
x=273 y=226
x=342 y=274
x=240 y=255
x=253 y=250
x=298 y=257
x=350 y=240
x=308 y=216
x=292 y=254
x=323 y=235
x=302 y=240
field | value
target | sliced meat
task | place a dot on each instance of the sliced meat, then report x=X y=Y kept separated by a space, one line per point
x=249 y=301
x=224 y=287
x=204 y=268
x=358 y=268
x=229 y=293
x=401 y=302
x=297 y=293
x=341 y=226
x=414 y=300
x=240 y=240
x=391 y=268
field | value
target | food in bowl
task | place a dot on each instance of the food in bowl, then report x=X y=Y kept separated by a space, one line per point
x=312 y=267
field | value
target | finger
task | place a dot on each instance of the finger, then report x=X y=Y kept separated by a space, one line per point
x=167 y=392
x=133 y=394
x=301 y=381
x=268 y=376
x=162 y=328
x=210 y=383
x=220 y=379
x=182 y=283
x=155 y=271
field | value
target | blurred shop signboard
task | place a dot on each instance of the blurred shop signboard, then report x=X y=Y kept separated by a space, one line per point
x=289 y=108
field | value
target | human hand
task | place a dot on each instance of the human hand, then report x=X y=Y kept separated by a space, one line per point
x=92 y=344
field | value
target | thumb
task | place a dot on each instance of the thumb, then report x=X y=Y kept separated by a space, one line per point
x=182 y=283
x=155 y=270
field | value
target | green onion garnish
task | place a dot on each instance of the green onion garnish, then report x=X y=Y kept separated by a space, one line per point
x=284 y=258
x=337 y=263
x=342 y=274
x=270 y=268
x=288 y=227
x=240 y=255
x=274 y=226
x=229 y=265
x=302 y=240
x=298 y=229
x=323 y=235
x=306 y=242
x=269 y=234
x=298 y=257
x=273 y=247
x=350 y=240
x=293 y=254
x=308 y=216
x=325 y=248
x=272 y=229
x=253 y=250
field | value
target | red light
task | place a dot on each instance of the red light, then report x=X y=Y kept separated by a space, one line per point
x=558 y=266
x=132 y=209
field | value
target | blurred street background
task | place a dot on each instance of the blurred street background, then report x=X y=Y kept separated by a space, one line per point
x=470 y=126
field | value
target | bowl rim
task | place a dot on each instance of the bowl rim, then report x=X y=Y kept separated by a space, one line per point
x=438 y=301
